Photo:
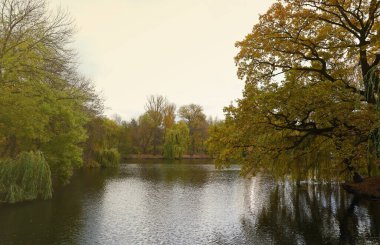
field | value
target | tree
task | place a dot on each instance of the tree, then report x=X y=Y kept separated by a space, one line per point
x=101 y=148
x=146 y=127
x=125 y=146
x=195 y=119
x=176 y=141
x=25 y=178
x=155 y=109
x=158 y=117
x=312 y=87
x=44 y=101
x=169 y=116
x=134 y=134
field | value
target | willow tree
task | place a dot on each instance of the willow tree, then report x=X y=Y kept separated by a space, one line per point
x=101 y=148
x=311 y=72
x=176 y=141
x=26 y=178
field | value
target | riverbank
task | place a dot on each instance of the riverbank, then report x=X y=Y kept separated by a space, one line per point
x=370 y=187
x=151 y=156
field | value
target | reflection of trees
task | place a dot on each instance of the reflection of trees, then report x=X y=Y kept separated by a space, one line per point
x=312 y=214
x=175 y=173
x=56 y=221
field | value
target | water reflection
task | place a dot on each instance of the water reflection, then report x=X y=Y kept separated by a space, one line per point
x=185 y=174
x=56 y=221
x=181 y=203
x=310 y=214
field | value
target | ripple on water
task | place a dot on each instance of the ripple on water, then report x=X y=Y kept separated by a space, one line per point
x=189 y=204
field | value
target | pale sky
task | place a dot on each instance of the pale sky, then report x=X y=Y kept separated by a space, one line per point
x=182 y=49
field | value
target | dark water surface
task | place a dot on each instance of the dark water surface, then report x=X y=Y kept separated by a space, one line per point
x=190 y=204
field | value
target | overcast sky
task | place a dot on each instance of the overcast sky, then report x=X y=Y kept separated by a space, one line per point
x=182 y=49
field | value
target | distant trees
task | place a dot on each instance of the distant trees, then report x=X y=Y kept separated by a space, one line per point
x=51 y=120
x=158 y=132
x=155 y=110
x=101 y=148
x=176 y=141
x=195 y=119
x=145 y=132
x=169 y=116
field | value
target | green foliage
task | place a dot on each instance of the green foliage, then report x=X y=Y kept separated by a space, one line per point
x=124 y=140
x=105 y=137
x=145 y=133
x=66 y=132
x=195 y=119
x=44 y=101
x=26 y=178
x=273 y=129
x=108 y=158
x=221 y=143
x=44 y=122
x=152 y=132
x=176 y=141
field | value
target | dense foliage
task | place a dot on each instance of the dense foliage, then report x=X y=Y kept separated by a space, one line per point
x=106 y=139
x=176 y=141
x=44 y=101
x=310 y=104
x=157 y=132
x=108 y=158
x=28 y=177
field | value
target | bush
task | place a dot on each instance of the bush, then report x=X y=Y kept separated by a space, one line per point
x=27 y=177
x=108 y=158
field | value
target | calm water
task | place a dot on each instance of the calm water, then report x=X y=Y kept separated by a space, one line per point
x=190 y=204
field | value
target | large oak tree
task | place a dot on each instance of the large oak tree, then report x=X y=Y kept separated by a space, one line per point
x=311 y=72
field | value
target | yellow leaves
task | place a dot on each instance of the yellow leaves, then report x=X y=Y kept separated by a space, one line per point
x=316 y=107
x=307 y=36
x=308 y=120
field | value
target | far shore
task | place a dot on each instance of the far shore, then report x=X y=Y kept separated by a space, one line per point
x=151 y=156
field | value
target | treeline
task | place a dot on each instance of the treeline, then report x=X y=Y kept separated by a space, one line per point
x=161 y=130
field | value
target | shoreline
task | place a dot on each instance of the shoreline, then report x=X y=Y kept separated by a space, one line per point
x=160 y=157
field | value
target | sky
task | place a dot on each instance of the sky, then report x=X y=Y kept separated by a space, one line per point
x=181 y=49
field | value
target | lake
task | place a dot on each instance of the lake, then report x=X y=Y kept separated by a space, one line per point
x=180 y=203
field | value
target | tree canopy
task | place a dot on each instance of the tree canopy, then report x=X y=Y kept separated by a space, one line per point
x=44 y=100
x=311 y=72
x=176 y=141
x=195 y=119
